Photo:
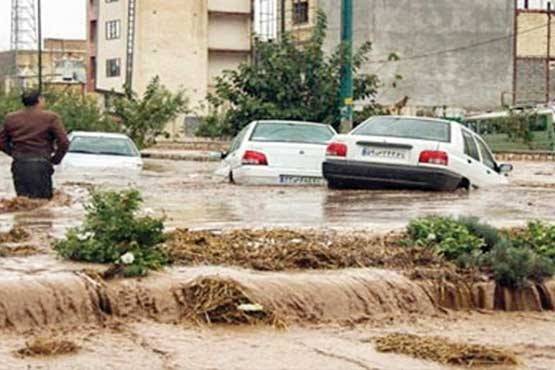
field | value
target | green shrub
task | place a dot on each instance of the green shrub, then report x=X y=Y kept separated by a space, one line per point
x=539 y=237
x=111 y=230
x=513 y=267
x=488 y=233
x=449 y=237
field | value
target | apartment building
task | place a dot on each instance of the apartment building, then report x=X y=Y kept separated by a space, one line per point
x=63 y=63
x=186 y=43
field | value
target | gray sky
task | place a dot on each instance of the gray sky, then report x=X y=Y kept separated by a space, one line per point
x=61 y=18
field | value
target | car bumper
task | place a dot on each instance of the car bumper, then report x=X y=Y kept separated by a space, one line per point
x=262 y=175
x=352 y=174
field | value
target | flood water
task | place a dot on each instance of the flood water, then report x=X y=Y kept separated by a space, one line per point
x=191 y=196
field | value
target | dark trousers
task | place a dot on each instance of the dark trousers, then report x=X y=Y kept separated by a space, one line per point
x=32 y=177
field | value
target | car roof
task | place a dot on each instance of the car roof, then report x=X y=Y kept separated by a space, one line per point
x=292 y=122
x=99 y=134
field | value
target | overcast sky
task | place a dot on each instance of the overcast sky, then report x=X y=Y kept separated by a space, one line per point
x=61 y=18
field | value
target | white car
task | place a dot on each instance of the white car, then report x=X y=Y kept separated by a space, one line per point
x=278 y=153
x=100 y=151
x=411 y=152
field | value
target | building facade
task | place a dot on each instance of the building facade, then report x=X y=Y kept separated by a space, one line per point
x=187 y=44
x=64 y=63
x=454 y=54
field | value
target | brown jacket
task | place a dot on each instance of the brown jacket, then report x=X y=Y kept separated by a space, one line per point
x=34 y=132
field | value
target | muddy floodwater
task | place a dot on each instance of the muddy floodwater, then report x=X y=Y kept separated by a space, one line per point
x=40 y=292
x=190 y=195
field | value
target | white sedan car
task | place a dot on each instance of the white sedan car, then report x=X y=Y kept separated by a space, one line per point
x=102 y=151
x=410 y=152
x=278 y=153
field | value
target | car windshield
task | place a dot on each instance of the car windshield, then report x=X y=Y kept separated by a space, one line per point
x=292 y=132
x=103 y=145
x=410 y=128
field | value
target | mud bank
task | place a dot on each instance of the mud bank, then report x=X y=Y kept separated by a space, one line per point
x=344 y=297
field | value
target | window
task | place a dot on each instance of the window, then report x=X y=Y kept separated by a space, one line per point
x=103 y=145
x=236 y=143
x=113 y=30
x=300 y=11
x=487 y=158
x=112 y=1
x=285 y=132
x=410 y=128
x=113 y=67
x=470 y=148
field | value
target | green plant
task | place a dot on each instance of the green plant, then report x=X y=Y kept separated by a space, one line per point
x=113 y=229
x=145 y=118
x=538 y=236
x=449 y=237
x=288 y=81
x=488 y=233
x=77 y=111
x=514 y=267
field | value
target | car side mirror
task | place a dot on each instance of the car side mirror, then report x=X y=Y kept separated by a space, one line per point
x=505 y=168
x=223 y=155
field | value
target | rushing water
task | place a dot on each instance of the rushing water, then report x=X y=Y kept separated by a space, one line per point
x=189 y=195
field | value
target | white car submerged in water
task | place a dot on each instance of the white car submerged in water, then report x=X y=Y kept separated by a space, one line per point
x=278 y=153
x=412 y=152
x=102 y=151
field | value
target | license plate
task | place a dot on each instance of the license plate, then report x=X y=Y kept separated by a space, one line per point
x=300 y=180
x=384 y=153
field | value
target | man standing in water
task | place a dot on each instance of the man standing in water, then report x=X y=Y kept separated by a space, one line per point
x=36 y=140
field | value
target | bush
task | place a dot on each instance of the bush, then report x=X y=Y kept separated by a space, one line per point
x=513 y=267
x=488 y=233
x=111 y=230
x=539 y=237
x=449 y=237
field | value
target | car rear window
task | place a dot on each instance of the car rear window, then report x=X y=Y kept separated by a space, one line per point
x=292 y=133
x=410 y=128
x=102 y=146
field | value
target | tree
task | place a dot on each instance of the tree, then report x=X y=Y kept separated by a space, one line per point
x=290 y=82
x=77 y=111
x=145 y=118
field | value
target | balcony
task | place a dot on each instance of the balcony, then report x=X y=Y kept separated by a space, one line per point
x=237 y=7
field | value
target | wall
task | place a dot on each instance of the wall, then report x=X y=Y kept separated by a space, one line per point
x=109 y=49
x=473 y=78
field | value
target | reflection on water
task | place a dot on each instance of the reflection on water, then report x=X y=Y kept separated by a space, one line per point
x=189 y=195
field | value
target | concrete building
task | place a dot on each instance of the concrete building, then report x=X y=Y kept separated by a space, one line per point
x=64 y=63
x=457 y=54
x=186 y=43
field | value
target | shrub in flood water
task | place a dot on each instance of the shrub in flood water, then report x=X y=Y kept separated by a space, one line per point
x=512 y=258
x=113 y=232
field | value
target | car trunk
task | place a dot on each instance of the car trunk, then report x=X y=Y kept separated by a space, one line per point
x=298 y=156
x=391 y=150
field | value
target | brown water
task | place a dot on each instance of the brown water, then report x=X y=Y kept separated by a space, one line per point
x=191 y=196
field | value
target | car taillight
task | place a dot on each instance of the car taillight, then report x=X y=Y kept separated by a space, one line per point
x=253 y=158
x=336 y=150
x=434 y=157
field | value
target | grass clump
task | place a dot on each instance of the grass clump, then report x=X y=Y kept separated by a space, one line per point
x=43 y=346
x=113 y=232
x=513 y=259
x=443 y=351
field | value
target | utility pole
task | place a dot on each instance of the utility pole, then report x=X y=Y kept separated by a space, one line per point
x=347 y=68
x=39 y=41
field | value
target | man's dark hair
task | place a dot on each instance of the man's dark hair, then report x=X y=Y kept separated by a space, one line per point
x=30 y=98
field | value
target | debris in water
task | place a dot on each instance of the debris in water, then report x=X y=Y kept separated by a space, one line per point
x=283 y=249
x=16 y=235
x=443 y=351
x=214 y=300
x=22 y=204
x=42 y=346
x=18 y=250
